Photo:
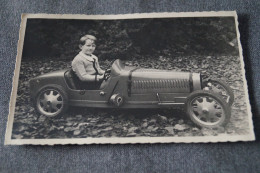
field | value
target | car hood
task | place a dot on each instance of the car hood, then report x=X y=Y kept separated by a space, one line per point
x=162 y=81
x=155 y=74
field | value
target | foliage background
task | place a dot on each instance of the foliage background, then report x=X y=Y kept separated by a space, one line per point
x=50 y=38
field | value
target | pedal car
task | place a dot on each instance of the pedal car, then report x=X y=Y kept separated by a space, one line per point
x=207 y=102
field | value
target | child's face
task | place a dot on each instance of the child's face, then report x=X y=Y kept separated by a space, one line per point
x=89 y=47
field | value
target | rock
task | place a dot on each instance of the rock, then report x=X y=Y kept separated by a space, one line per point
x=95 y=132
x=69 y=119
x=52 y=128
x=163 y=118
x=171 y=120
x=131 y=134
x=155 y=128
x=31 y=110
x=132 y=129
x=82 y=124
x=180 y=127
x=220 y=130
x=79 y=116
x=180 y=121
x=76 y=132
x=69 y=124
x=208 y=132
x=195 y=129
x=230 y=131
x=152 y=121
x=182 y=134
x=17 y=136
x=117 y=126
x=170 y=130
x=42 y=118
x=107 y=129
x=67 y=129
x=93 y=121
x=150 y=128
x=162 y=59
x=27 y=133
x=61 y=127
x=22 y=128
x=145 y=124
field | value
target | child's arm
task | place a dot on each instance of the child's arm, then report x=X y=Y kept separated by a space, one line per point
x=100 y=71
x=80 y=71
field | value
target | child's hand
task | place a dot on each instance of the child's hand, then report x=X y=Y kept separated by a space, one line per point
x=100 y=77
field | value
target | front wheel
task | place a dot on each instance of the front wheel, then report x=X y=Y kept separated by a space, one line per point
x=221 y=88
x=52 y=101
x=207 y=109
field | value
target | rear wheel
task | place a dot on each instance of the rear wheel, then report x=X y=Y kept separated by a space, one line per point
x=52 y=101
x=207 y=109
x=221 y=88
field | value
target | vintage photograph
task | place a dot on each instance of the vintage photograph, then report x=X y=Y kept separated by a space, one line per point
x=141 y=78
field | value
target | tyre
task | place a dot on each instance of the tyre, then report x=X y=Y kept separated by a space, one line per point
x=51 y=101
x=207 y=109
x=221 y=88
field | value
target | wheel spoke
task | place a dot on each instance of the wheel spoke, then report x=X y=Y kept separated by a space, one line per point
x=43 y=101
x=45 y=96
x=195 y=108
x=197 y=102
x=57 y=96
x=44 y=106
x=218 y=112
x=55 y=104
x=200 y=116
x=55 y=108
x=49 y=109
x=51 y=93
x=207 y=118
x=204 y=100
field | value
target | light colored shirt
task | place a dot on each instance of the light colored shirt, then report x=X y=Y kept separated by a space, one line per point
x=83 y=66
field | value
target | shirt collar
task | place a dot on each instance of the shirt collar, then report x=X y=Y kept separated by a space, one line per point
x=87 y=57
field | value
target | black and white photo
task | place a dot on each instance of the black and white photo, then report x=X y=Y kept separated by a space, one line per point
x=140 y=78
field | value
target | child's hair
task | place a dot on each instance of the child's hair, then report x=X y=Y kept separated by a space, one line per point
x=85 y=38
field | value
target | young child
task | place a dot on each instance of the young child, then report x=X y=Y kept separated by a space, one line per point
x=85 y=64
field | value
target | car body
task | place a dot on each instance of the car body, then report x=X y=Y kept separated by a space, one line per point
x=129 y=87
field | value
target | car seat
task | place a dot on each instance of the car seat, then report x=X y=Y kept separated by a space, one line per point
x=71 y=79
x=75 y=83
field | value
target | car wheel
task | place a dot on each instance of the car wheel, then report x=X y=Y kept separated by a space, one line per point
x=207 y=109
x=221 y=88
x=52 y=101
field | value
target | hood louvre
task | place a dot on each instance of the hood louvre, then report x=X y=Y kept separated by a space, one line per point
x=160 y=84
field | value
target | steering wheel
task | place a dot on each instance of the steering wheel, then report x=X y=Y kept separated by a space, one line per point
x=107 y=74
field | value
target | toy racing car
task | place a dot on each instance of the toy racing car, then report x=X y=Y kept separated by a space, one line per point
x=207 y=102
